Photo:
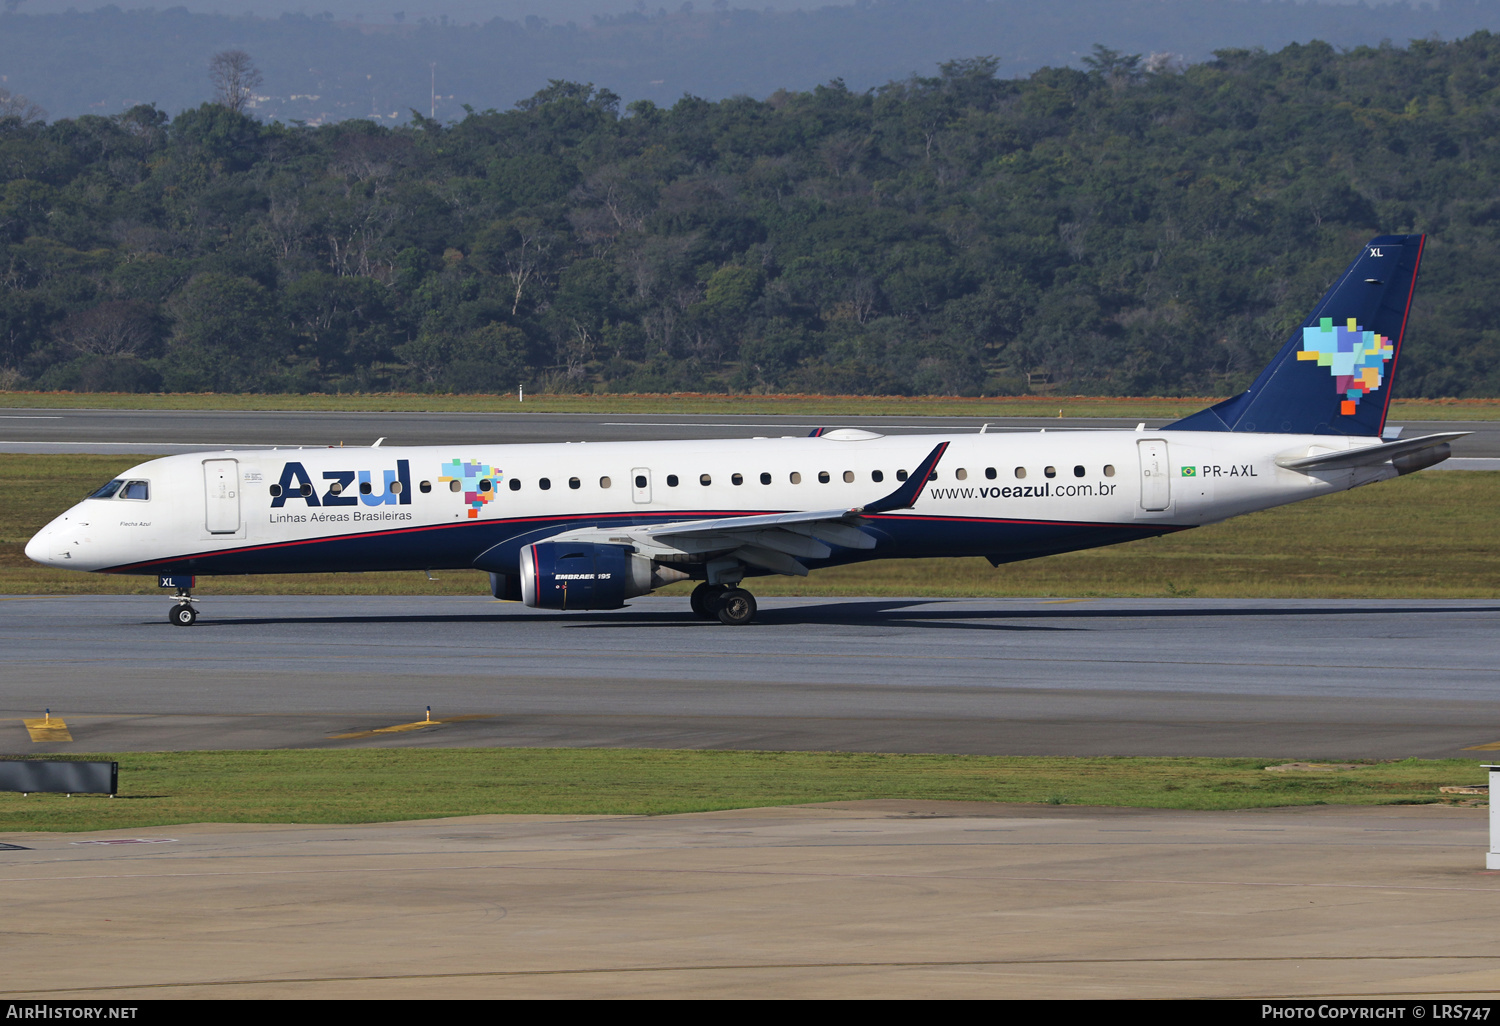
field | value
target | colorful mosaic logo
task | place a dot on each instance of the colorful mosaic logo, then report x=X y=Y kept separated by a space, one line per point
x=470 y=476
x=1355 y=357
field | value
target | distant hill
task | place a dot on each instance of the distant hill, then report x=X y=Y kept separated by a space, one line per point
x=318 y=69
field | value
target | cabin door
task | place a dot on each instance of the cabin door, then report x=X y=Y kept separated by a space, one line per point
x=221 y=490
x=1156 y=482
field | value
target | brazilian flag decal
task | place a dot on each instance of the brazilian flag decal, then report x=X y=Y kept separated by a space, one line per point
x=1189 y=471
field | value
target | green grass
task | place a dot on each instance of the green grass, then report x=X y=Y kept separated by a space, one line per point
x=845 y=406
x=1429 y=535
x=384 y=785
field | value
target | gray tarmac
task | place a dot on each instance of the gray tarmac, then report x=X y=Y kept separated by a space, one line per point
x=165 y=432
x=1294 y=679
x=865 y=900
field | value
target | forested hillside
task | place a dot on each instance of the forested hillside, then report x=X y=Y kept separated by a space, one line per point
x=1123 y=229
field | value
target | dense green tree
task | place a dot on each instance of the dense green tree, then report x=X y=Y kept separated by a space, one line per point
x=1135 y=226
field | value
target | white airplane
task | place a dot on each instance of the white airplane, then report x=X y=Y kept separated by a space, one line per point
x=589 y=525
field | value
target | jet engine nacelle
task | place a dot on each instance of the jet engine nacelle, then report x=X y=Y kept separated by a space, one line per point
x=585 y=575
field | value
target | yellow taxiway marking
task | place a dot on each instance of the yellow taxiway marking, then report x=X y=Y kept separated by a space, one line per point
x=1493 y=746
x=51 y=729
x=401 y=727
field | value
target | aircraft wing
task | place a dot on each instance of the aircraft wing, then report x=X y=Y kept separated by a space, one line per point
x=1370 y=455
x=771 y=541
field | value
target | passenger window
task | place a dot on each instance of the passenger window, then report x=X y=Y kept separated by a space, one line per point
x=796 y=478
x=604 y=482
x=1078 y=471
x=337 y=488
x=671 y=481
x=485 y=485
x=876 y=476
x=989 y=473
x=395 y=487
x=1049 y=471
x=364 y=487
x=108 y=491
x=306 y=490
x=455 y=486
x=848 y=477
x=515 y=485
x=900 y=475
x=640 y=480
x=275 y=492
x=1020 y=473
x=1109 y=470
x=765 y=479
x=961 y=474
x=425 y=487
x=738 y=479
x=705 y=480
x=822 y=477
x=136 y=490
x=544 y=483
x=573 y=483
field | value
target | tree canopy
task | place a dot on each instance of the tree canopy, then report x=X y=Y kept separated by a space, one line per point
x=1136 y=227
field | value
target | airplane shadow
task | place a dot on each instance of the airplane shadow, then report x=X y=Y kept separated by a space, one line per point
x=937 y=613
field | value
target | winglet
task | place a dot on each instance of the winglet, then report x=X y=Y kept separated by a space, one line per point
x=905 y=497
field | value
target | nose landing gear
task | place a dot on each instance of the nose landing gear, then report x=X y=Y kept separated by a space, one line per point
x=183 y=614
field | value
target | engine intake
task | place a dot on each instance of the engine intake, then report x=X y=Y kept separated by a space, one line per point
x=575 y=575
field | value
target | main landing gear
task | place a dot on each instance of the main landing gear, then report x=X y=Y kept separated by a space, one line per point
x=732 y=606
x=183 y=614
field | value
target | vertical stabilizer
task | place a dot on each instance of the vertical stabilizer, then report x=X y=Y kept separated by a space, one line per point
x=1334 y=375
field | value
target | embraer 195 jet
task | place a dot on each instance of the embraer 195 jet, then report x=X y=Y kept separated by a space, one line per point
x=588 y=525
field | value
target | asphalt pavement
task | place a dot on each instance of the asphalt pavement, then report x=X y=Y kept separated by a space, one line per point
x=1264 y=678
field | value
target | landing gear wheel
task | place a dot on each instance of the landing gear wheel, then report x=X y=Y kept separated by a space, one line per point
x=736 y=606
x=705 y=600
x=183 y=615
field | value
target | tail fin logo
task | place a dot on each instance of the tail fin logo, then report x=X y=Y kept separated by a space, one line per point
x=1355 y=357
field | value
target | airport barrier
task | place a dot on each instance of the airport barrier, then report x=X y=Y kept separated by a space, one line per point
x=28 y=775
x=1492 y=860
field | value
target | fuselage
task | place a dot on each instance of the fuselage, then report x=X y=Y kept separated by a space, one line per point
x=1005 y=496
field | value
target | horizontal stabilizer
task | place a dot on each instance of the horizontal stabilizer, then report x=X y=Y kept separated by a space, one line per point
x=1368 y=456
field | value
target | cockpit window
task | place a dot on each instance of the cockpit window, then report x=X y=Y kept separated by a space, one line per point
x=108 y=491
x=136 y=490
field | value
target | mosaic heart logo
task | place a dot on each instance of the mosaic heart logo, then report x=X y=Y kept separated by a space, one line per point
x=1355 y=357
x=477 y=481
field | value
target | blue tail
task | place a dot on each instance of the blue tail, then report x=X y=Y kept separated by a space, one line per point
x=1334 y=375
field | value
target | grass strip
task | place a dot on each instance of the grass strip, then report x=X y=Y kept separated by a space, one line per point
x=689 y=403
x=369 y=785
x=1428 y=535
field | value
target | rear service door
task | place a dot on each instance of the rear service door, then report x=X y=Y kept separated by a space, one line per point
x=640 y=484
x=221 y=490
x=1156 y=483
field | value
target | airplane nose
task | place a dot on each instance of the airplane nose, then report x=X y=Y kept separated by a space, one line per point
x=36 y=549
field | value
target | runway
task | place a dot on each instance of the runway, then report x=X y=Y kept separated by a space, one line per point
x=165 y=432
x=1293 y=679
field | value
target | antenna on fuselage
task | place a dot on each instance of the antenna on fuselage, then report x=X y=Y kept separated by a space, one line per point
x=377 y=442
